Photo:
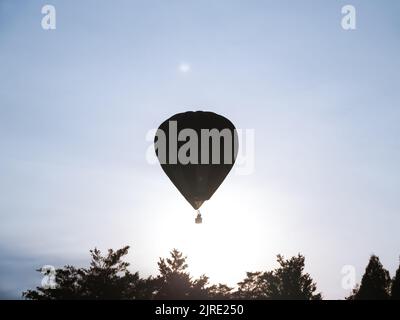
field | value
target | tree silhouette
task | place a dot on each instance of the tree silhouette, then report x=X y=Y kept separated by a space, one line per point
x=174 y=282
x=375 y=283
x=395 y=289
x=220 y=292
x=106 y=278
x=252 y=287
x=286 y=282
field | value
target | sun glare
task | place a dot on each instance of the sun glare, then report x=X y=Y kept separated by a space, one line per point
x=228 y=242
x=184 y=67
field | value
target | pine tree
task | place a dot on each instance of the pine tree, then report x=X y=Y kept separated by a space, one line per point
x=395 y=289
x=375 y=283
x=288 y=281
x=174 y=282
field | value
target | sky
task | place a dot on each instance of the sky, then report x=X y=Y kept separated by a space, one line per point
x=77 y=102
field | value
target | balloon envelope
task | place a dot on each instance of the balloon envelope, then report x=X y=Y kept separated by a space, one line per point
x=197 y=159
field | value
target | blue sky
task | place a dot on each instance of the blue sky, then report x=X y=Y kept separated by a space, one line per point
x=76 y=104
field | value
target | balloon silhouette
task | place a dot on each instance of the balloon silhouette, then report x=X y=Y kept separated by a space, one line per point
x=196 y=150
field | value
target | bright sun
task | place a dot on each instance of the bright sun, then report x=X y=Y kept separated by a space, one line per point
x=185 y=67
x=229 y=240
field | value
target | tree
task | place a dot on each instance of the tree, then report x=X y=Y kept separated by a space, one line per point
x=395 y=288
x=375 y=283
x=220 y=292
x=288 y=281
x=252 y=287
x=174 y=282
x=106 y=278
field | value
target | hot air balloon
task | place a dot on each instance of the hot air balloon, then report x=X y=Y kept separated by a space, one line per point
x=196 y=150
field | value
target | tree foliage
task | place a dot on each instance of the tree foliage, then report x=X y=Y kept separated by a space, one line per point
x=375 y=283
x=108 y=277
x=395 y=286
x=288 y=282
x=174 y=282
